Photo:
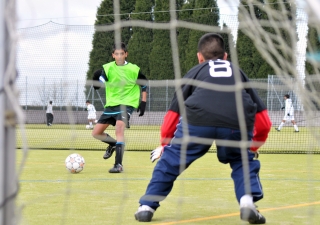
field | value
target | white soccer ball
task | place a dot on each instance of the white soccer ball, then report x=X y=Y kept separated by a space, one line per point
x=96 y=121
x=74 y=163
x=87 y=126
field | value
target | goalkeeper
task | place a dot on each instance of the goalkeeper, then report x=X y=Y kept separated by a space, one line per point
x=210 y=114
x=121 y=80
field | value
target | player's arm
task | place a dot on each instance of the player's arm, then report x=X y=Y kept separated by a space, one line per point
x=171 y=119
x=168 y=128
x=288 y=107
x=143 y=81
x=100 y=76
x=262 y=126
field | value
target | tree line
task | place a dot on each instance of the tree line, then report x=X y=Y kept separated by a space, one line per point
x=151 y=49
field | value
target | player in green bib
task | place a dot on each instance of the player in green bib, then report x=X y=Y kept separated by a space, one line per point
x=124 y=83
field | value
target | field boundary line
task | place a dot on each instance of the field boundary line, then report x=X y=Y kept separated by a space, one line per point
x=237 y=214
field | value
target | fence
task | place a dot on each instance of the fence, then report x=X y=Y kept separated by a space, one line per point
x=52 y=62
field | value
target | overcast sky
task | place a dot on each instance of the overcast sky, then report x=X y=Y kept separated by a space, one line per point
x=36 y=12
x=46 y=50
x=75 y=12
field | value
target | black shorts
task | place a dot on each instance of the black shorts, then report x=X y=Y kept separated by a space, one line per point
x=111 y=114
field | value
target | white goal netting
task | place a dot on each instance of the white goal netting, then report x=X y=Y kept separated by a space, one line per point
x=53 y=62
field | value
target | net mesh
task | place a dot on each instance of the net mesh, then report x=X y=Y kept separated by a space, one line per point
x=52 y=64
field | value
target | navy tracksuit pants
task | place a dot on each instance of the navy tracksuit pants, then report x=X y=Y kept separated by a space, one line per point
x=169 y=165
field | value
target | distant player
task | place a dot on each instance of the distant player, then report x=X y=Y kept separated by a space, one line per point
x=49 y=114
x=210 y=115
x=91 y=114
x=288 y=114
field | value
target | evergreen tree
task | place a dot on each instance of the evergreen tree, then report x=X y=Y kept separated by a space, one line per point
x=161 y=64
x=313 y=47
x=183 y=35
x=286 y=57
x=206 y=12
x=102 y=43
x=225 y=37
x=250 y=59
x=140 y=45
x=312 y=65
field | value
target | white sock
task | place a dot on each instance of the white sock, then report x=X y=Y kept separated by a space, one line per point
x=145 y=208
x=296 y=127
x=90 y=124
x=281 y=125
x=246 y=200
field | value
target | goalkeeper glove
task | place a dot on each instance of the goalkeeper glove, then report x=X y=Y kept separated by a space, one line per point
x=288 y=114
x=283 y=107
x=156 y=154
x=142 y=108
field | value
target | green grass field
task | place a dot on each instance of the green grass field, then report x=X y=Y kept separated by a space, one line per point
x=140 y=138
x=203 y=194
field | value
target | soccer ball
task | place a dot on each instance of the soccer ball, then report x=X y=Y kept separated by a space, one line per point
x=87 y=126
x=74 y=163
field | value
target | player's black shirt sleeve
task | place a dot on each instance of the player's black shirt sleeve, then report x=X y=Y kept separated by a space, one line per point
x=143 y=81
x=103 y=75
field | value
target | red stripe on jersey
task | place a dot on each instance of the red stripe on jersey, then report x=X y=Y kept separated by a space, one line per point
x=168 y=127
x=262 y=126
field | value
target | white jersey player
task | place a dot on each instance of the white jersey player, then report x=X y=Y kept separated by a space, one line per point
x=91 y=114
x=289 y=114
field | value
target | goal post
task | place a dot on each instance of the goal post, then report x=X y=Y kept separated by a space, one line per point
x=8 y=178
x=277 y=89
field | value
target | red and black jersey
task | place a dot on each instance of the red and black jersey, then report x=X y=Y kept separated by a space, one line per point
x=208 y=103
x=206 y=106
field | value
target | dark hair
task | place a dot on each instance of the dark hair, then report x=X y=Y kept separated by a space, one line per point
x=211 y=46
x=122 y=46
x=50 y=102
x=87 y=101
x=287 y=96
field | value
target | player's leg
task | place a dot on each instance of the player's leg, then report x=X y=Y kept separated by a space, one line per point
x=169 y=167
x=120 y=144
x=281 y=124
x=106 y=119
x=50 y=119
x=47 y=115
x=90 y=122
x=233 y=156
x=296 y=129
x=121 y=124
x=98 y=133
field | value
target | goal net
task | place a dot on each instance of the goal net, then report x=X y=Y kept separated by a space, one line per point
x=53 y=64
x=58 y=74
